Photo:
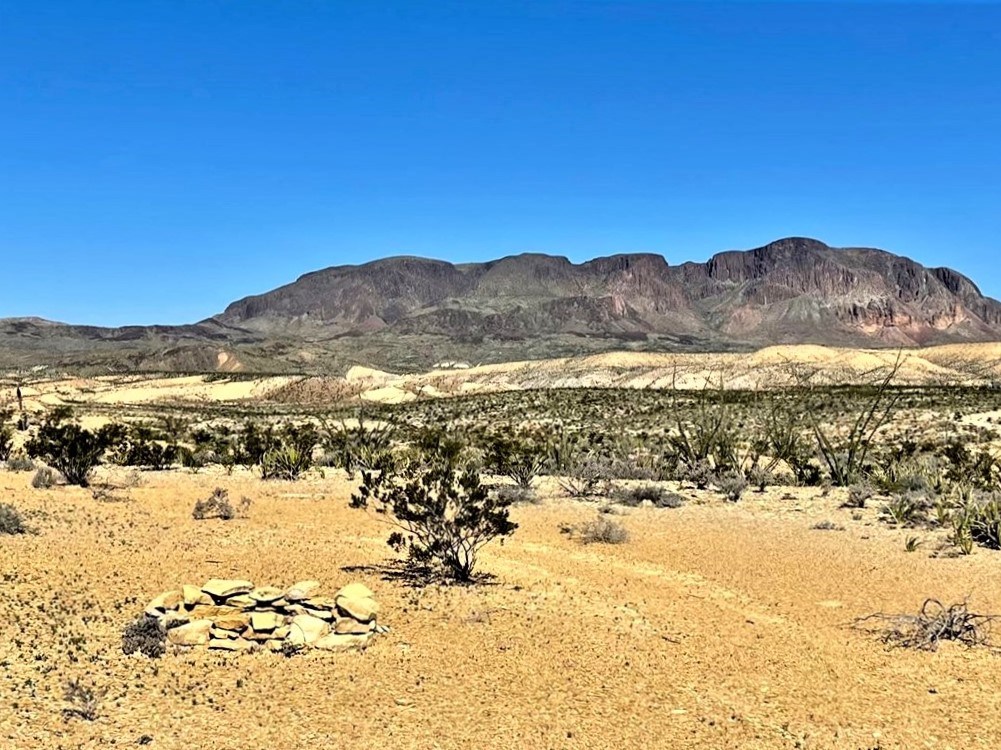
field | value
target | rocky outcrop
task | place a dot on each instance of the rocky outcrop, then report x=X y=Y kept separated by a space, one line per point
x=234 y=615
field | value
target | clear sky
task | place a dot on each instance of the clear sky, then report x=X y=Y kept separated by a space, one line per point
x=159 y=159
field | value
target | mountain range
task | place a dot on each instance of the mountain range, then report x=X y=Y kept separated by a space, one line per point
x=408 y=313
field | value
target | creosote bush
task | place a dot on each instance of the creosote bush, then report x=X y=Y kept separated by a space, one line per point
x=69 y=448
x=145 y=636
x=442 y=511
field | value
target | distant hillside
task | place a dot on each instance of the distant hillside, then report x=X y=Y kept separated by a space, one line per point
x=407 y=313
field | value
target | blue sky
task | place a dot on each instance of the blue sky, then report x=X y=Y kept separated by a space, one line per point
x=161 y=159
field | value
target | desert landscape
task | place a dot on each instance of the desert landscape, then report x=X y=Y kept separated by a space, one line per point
x=662 y=587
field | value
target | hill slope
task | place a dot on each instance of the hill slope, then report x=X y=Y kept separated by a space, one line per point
x=409 y=312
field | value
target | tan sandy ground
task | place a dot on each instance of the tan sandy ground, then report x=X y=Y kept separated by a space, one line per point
x=715 y=626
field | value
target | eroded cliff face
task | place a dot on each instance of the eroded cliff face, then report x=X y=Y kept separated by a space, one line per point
x=795 y=290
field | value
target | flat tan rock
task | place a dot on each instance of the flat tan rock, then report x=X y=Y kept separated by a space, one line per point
x=212 y=611
x=323 y=614
x=357 y=601
x=194 y=596
x=306 y=629
x=236 y=644
x=168 y=600
x=320 y=602
x=265 y=622
x=301 y=590
x=225 y=635
x=342 y=642
x=223 y=588
x=235 y=622
x=350 y=626
x=194 y=633
x=241 y=600
x=266 y=594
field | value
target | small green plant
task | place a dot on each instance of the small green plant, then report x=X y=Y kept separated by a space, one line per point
x=519 y=460
x=288 y=462
x=585 y=476
x=912 y=544
x=649 y=493
x=985 y=521
x=906 y=509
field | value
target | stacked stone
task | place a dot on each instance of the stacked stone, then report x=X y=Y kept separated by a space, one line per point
x=234 y=615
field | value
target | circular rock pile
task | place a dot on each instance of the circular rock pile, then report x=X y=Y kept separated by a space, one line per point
x=235 y=615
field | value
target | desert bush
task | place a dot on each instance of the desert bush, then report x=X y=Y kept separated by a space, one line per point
x=933 y=624
x=846 y=457
x=145 y=636
x=584 y=476
x=11 y=520
x=708 y=435
x=906 y=509
x=84 y=701
x=44 y=478
x=637 y=496
x=6 y=442
x=444 y=514
x=69 y=448
x=288 y=462
x=732 y=486
x=517 y=495
x=858 y=495
x=19 y=462
x=518 y=459
x=360 y=446
x=985 y=521
x=216 y=505
x=699 y=474
x=602 y=530
x=139 y=446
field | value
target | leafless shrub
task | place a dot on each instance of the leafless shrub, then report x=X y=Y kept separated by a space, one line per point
x=602 y=530
x=217 y=505
x=84 y=701
x=932 y=624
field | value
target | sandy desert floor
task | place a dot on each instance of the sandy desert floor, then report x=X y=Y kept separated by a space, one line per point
x=716 y=625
